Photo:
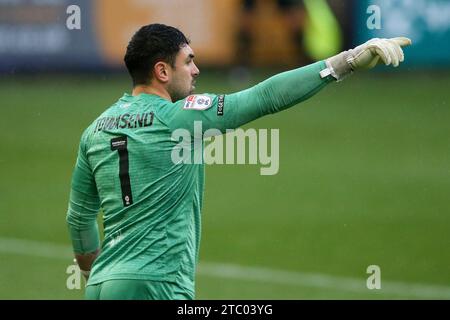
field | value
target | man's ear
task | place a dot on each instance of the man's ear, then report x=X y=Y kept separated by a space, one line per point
x=161 y=71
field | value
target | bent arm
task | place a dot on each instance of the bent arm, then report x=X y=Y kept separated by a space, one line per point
x=81 y=218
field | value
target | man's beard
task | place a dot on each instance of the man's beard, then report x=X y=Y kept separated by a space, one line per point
x=179 y=94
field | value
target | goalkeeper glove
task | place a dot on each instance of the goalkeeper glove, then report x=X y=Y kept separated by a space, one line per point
x=366 y=56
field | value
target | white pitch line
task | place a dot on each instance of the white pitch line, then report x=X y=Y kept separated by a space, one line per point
x=317 y=280
x=35 y=248
x=253 y=274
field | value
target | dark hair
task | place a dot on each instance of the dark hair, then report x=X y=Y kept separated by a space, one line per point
x=150 y=44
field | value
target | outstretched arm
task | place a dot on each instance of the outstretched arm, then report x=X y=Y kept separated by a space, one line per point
x=281 y=91
x=290 y=88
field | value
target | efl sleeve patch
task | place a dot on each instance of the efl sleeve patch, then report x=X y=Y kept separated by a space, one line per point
x=197 y=102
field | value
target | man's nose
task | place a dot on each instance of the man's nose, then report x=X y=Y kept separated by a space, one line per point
x=196 y=71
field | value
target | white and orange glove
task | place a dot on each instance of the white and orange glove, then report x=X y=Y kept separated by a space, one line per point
x=366 y=56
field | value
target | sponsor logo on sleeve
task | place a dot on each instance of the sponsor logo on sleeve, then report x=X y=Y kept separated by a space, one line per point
x=220 y=103
x=197 y=102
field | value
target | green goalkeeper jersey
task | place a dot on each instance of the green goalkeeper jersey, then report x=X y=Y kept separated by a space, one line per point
x=152 y=204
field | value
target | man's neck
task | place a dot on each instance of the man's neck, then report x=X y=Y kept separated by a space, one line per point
x=150 y=89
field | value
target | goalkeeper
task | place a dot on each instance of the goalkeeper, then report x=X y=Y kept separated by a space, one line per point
x=152 y=205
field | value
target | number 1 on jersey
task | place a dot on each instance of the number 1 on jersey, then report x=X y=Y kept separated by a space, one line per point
x=120 y=144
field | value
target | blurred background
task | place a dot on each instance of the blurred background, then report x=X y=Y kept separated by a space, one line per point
x=364 y=173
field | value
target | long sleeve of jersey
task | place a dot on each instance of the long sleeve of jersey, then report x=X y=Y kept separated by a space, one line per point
x=231 y=111
x=83 y=208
